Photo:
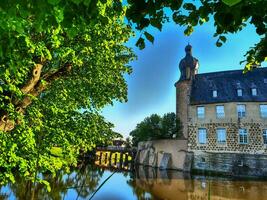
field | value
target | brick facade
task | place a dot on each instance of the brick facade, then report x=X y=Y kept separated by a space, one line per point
x=255 y=139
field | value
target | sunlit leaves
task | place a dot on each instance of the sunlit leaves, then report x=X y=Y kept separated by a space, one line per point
x=81 y=45
x=189 y=30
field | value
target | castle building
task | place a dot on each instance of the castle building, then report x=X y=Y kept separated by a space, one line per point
x=224 y=117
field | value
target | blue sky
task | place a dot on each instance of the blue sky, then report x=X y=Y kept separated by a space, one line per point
x=151 y=85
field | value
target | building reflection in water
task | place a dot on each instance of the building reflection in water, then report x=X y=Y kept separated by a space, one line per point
x=174 y=185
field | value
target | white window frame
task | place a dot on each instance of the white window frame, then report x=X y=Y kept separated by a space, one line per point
x=214 y=93
x=264 y=136
x=239 y=92
x=200 y=115
x=221 y=135
x=241 y=110
x=220 y=115
x=242 y=136
x=202 y=136
x=254 y=91
x=263 y=110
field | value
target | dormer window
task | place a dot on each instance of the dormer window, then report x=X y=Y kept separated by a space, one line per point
x=239 y=92
x=214 y=93
x=254 y=91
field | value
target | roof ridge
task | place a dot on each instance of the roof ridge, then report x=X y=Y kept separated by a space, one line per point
x=231 y=71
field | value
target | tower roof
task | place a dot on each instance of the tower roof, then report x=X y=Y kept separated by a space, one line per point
x=188 y=63
x=188 y=49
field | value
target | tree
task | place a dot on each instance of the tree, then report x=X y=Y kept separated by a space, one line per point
x=155 y=127
x=171 y=126
x=128 y=143
x=57 y=59
x=229 y=16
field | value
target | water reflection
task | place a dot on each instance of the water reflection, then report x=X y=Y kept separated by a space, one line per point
x=78 y=184
x=173 y=185
x=142 y=184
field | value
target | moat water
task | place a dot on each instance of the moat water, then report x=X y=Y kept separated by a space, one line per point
x=142 y=184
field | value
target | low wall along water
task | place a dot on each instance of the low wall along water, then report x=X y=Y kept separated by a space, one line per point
x=164 y=154
x=173 y=154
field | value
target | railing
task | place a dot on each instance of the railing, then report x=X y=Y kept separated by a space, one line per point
x=112 y=148
x=115 y=157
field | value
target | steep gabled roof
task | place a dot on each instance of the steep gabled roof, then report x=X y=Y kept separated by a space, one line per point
x=226 y=83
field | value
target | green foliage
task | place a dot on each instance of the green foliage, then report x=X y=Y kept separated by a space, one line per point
x=231 y=2
x=80 y=45
x=155 y=127
x=128 y=142
x=229 y=16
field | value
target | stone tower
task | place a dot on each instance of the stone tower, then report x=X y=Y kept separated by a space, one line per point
x=188 y=68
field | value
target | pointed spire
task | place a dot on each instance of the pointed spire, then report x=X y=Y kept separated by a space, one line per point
x=188 y=49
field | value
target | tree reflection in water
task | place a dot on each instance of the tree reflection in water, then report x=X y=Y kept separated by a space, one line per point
x=83 y=181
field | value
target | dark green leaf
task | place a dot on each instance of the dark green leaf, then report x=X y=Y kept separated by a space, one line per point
x=231 y=2
x=149 y=37
x=140 y=43
x=222 y=38
x=53 y=2
x=76 y=1
x=218 y=43
x=156 y=23
x=189 y=6
x=86 y=2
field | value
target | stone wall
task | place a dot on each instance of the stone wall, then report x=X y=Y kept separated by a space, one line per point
x=232 y=157
x=166 y=154
x=255 y=140
x=234 y=164
x=183 y=89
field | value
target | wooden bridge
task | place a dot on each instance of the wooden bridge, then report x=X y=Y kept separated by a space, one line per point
x=115 y=157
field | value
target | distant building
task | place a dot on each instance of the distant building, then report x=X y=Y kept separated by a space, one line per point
x=119 y=142
x=224 y=117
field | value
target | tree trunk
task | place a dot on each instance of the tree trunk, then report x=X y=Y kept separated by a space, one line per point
x=33 y=87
